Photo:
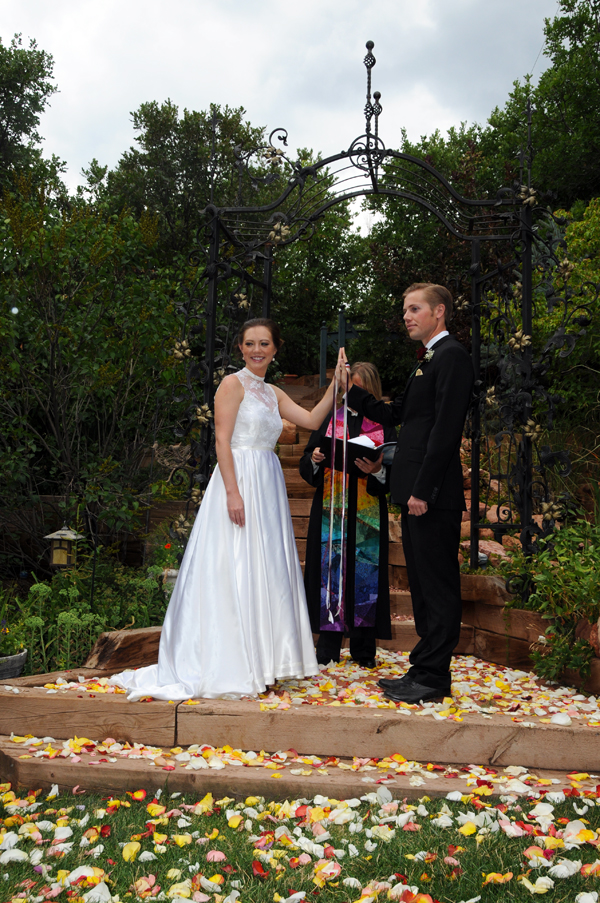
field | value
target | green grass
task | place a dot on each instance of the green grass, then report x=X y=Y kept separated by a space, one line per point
x=482 y=852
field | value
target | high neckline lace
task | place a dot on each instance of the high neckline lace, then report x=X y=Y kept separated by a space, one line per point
x=253 y=375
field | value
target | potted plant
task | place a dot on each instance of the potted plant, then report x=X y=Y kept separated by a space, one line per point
x=12 y=654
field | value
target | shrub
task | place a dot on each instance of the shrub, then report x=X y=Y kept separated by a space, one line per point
x=59 y=623
x=562 y=582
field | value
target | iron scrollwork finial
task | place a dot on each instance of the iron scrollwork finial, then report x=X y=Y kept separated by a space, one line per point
x=368 y=151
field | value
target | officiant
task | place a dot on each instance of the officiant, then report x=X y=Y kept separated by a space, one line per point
x=346 y=571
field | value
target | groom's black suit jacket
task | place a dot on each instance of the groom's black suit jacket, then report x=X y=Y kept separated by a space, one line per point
x=431 y=413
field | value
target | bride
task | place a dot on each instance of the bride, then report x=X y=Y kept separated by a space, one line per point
x=237 y=620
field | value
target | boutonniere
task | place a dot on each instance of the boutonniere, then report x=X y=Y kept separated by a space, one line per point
x=428 y=355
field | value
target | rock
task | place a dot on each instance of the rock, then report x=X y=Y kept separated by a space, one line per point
x=511 y=542
x=595 y=638
x=497 y=516
x=589 y=632
x=493 y=550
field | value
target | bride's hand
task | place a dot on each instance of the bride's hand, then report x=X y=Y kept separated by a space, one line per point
x=235 y=509
x=342 y=370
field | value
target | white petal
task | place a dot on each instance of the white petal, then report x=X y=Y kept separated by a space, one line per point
x=98 y=894
x=561 y=718
x=9 y=841
x=13 y=855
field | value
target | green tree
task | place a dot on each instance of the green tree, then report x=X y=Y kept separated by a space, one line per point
x=86 y=369
x=174 y=172
x=566 y=117
x=25 y=89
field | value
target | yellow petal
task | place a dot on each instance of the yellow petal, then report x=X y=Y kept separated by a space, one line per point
x=468 y=829
x=217 y=879
x=130 y=850
x=182 y=840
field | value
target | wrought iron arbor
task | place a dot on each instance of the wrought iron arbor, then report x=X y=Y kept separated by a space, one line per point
x=233 y=266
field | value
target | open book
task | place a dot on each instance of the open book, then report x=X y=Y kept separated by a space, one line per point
x=361 y=447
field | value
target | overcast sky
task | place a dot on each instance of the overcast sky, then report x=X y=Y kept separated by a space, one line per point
x=292 y=64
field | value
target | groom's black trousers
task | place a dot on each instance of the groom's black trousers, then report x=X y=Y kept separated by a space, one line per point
x=431 y=543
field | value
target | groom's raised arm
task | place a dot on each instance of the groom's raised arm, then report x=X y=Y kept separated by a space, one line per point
x=386 y=413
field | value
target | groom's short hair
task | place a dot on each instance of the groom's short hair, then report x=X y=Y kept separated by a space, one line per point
x=435 y=294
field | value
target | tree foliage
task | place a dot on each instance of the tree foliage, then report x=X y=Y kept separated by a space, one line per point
x=176 y=170
x=566 y=110
x=25 y=89
x=87 y=335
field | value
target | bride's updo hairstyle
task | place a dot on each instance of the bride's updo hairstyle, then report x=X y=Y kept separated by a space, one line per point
x=271 y=325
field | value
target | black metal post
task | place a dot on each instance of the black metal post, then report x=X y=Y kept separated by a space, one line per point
x=527 y=327
x=476 y=414
x=323 y=356
x=267 y=278
x=211 y=331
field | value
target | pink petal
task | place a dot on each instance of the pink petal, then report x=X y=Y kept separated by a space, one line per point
x=215 y=856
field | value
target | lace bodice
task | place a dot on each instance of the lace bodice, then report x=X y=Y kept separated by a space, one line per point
x=258 y=424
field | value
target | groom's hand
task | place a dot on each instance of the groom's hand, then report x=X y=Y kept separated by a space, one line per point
x=416 y=506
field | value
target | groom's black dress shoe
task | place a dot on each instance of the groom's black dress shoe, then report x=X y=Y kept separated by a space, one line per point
x=413 y=693
x=366 y=662
x=393 y=683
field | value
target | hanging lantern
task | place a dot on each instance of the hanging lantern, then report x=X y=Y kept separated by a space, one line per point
x=62 y=549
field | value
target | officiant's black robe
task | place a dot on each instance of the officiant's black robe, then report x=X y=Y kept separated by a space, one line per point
x=312 y=570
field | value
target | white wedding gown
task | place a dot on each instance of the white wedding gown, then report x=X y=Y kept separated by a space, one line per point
x=237 y=620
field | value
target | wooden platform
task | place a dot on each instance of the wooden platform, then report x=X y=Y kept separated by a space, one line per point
x=323 y=730
x=92 y=774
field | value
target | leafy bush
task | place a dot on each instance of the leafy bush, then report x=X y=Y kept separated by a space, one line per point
x=59 y=624
x=10 y=642
x=165 y=546
x=562 y=583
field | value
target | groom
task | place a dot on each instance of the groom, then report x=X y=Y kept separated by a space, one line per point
x=426 y=481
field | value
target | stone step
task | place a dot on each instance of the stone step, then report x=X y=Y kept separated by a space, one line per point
x=300 y=525
x=288 y=450
x=290 y=461
x=400 y=603
x=332 y=782
x=299 y=491
x=300 y=507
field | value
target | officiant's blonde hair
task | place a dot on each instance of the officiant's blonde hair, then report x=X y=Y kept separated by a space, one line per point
x=369 y=376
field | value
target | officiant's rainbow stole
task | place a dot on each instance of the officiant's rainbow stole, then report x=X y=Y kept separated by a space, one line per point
x=336 y=613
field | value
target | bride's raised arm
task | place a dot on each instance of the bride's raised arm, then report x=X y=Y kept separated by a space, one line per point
x=312 y=420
